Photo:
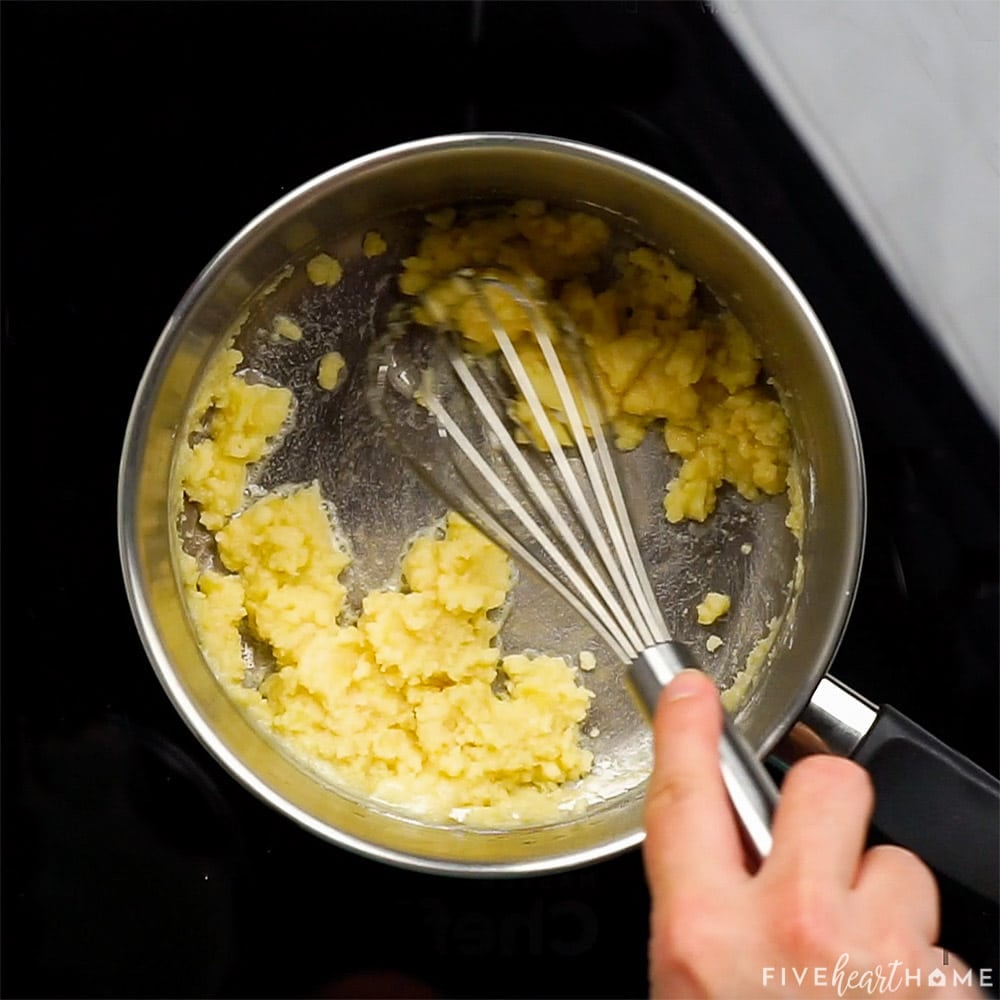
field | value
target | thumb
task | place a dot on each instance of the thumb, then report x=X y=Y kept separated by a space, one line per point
x=690 y=827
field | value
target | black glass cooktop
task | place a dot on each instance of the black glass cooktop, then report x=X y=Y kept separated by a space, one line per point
x=137 y=138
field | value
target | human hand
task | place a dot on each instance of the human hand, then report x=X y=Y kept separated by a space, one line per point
x=822 y=917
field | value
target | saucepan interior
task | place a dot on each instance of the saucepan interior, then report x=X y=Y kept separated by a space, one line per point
x=801 y=597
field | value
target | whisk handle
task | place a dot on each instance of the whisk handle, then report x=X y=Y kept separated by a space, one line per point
x=750 y=787
x=751 y=790
x=654 y=668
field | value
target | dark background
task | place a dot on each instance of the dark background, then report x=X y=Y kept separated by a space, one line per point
x=136 y=140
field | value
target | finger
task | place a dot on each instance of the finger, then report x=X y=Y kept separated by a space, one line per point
x=821 y=822
x=691 y=832
x=894 y=880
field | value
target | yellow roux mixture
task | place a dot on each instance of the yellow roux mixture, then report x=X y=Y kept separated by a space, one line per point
x=410 y=700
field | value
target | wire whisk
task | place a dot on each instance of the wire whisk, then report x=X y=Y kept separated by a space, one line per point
x=515 y=440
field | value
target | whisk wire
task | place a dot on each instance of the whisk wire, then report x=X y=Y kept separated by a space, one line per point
x=607 y=491
x=634 y=567
x=588 y=601
x=622 y=609
x=598 y=594
x=627 y=575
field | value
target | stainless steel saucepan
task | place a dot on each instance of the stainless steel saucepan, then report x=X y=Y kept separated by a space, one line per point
x=928 y=797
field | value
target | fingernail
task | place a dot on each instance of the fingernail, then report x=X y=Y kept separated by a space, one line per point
x=685 y=685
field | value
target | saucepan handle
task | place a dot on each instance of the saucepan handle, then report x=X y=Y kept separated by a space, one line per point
x=928 y=797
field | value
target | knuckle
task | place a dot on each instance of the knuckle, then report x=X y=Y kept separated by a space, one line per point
x=896 y=945
x=825 y=772
x=668 y=791
x=898 y=865
x=806 y=921
x=907 y=886
x=684 y=945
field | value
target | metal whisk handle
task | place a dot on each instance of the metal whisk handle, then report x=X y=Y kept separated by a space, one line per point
x=751 y=790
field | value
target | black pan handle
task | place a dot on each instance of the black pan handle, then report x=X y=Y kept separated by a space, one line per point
x=928 y=797
x=934 y=801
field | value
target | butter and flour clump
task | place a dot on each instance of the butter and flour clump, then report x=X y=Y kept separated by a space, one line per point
x=411 y=703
